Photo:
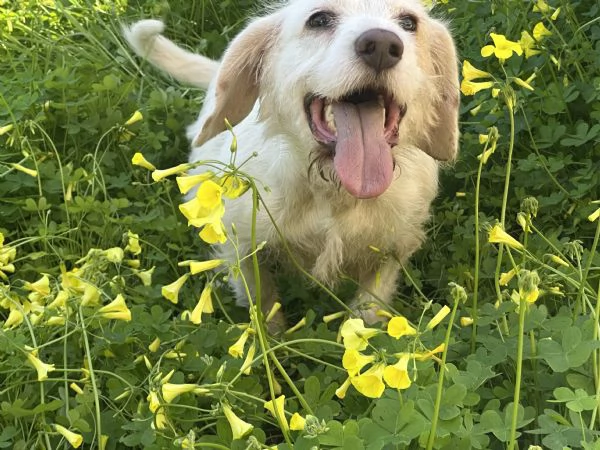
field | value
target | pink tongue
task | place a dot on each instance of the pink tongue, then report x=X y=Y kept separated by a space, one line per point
x=363 y=158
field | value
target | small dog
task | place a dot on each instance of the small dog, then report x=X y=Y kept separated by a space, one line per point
x=349 y=105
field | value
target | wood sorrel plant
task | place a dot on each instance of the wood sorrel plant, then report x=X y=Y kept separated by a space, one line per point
x=516 y=364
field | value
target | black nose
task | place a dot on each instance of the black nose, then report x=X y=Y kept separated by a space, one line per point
x=379 y=49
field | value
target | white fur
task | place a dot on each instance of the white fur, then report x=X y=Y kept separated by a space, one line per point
x=327 y=229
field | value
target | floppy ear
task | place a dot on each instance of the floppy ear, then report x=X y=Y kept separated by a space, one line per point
x=238 y=77
x=441 y=140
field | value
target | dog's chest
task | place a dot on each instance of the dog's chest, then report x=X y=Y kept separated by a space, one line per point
x=322 y=227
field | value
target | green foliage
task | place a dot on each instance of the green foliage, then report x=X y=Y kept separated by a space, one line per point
x=68 y=86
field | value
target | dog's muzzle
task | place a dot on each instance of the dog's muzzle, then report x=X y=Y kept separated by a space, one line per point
x=362 y=127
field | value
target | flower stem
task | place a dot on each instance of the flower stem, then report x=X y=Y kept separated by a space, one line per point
x=475 y=299
x=440 y=385
x=519 y=374
x=88 y=356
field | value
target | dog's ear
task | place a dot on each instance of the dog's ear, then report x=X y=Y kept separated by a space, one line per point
x=441 y=139
x=238 y=78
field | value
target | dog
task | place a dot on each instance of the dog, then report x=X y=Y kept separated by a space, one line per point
x=345 y=110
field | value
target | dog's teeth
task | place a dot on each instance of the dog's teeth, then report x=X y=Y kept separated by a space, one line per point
x=329 y=119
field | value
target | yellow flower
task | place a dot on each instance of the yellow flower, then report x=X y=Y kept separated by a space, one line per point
x=442 y=313
x=353 y=361
x=502 y=48
x=171 y=391
x=541 y=6
x=76 y=388
x=355 y=335
x=274 y=310
x=42 y=368
x=247 y=364
x=277 y=409
x=91 y=295
x=239 y=428
x=154 y=345
x=528 y=286
x=204 y=305
x=297 y=422
x=188 y=182
x=197 y=267
x=237 y=349
x=396 y=376
x=158 y=175
x=528 y=45
x=56 y=321
x=470 y=72
x=331 y=317
x=426 y=355
x=370 y=383
x=139 y=160
x=41 y=286
x=555 y=14
x=209 y=194
x=523 y=83
x=117 y=309
x=466 y=321
x=498 y=236
x=73 y=438
x=114 y=255
x=6 y=128
x=594 y=216
x=540 y=31
x=160 y=420
x=171 y=291
x=199 y=215
x=233 y=186
x=136 y=117
x=472 y=87
x=20 y=168
x=558 y=260
x=213 y=233
x=296 y=327
x=133 y=243
x=398 y=326
x=506 y=277
x=153 y=401
x=14 y=319
x=341 y=391
x=145 y=276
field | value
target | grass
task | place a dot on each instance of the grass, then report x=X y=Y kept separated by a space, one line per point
x=514 y=364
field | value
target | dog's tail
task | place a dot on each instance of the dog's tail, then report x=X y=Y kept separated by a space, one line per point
x=146 y=40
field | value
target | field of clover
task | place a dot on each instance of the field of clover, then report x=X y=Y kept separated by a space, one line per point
x=117 y=329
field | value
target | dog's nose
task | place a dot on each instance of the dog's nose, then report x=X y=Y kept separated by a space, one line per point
x=379 y=49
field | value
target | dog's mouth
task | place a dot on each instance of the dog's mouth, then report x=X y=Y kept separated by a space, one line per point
x=361 y=128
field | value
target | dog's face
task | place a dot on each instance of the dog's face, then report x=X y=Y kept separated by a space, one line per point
x=354 y=81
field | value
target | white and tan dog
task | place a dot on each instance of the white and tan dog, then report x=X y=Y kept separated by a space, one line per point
x=349 y=106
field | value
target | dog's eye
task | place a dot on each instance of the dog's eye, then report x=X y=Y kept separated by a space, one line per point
x=408 y=23
x=321 y=19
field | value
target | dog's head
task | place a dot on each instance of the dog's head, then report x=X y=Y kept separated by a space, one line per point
x=356 y=79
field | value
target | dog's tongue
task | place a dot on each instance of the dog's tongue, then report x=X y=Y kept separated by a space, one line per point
x=363 y=158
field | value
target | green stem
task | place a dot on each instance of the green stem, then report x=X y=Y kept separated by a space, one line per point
x=260 y=325
x=440 y=385
x=517 y=396
x=588 y=264
x=596 y=359
x=88 y=356
x=474 y=302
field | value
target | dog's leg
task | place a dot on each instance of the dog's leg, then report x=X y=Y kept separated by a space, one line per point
x=375 y=288
x=268 y=292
